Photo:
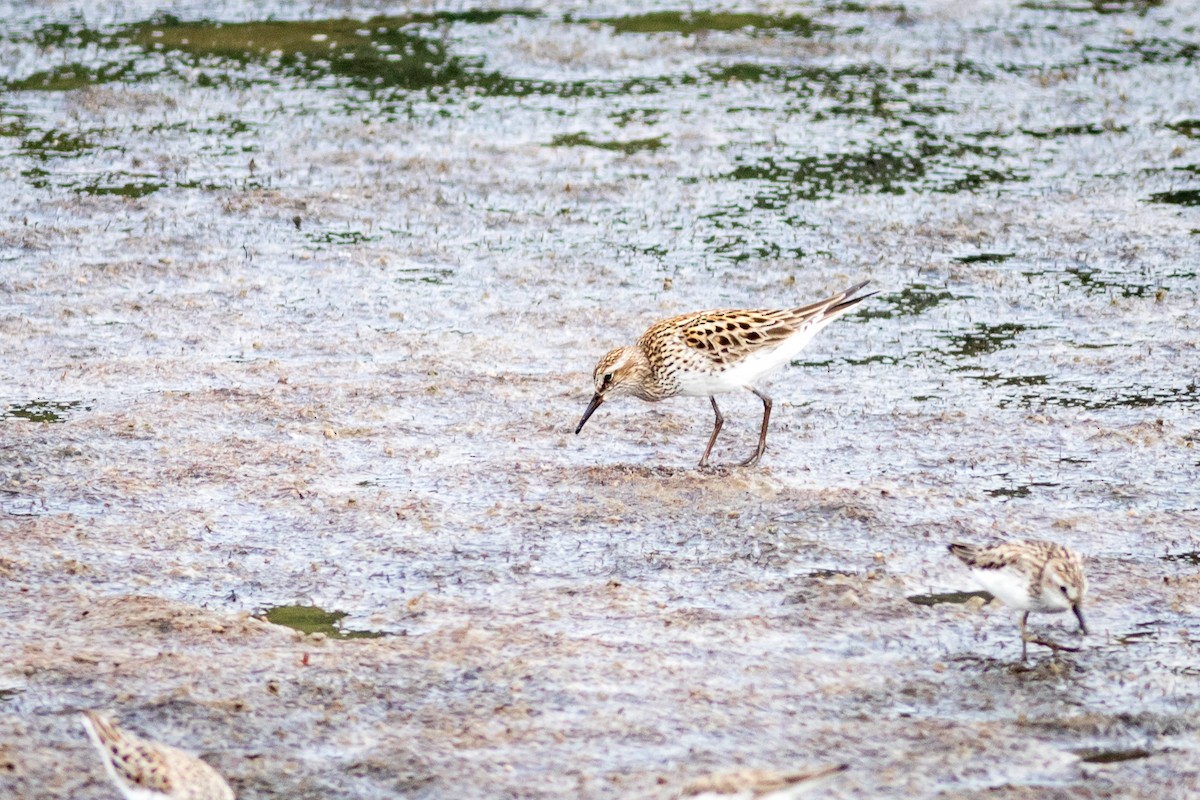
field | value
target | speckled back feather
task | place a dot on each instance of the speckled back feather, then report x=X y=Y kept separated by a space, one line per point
x=715 y=339
x=145 y=769
x=729 y=335
x=1022 y=554
x=755 y=783
x=1041 y=569
x=131 y=758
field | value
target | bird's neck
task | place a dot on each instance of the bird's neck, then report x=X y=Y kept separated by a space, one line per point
x=647 y=382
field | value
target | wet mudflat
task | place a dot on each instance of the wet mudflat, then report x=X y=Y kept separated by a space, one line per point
x=298 y=311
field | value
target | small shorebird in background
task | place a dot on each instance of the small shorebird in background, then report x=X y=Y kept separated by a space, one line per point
x=1029 y=575
x=707 y=353
x=146 y=770
x=755 y=784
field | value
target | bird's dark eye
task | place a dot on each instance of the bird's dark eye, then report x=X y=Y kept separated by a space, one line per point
x=1064 y=589
x=608 y=377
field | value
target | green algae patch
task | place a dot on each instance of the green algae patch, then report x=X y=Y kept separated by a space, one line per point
x=1020 y=490
x=129 y=189
x=1181 y=197
x=909 y=302
x=690 y=23
x=984 y=339
x=1112 y=756
x=40 y=410
x=1093 y=6
x=1187 y=127
x=628 y=148
x=401 y=51
x=937 y=599
x=311 y=619
x=252 y=41
x=340 y=237
x=1088 y=129
x=52 y=143
x=931 y=165
x=380 y=52
x=984 y=258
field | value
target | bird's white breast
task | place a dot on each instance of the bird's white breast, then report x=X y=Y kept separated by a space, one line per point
x=1009 y=585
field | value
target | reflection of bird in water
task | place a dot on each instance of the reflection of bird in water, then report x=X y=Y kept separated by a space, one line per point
x=146 y=770
x=1029 y=575
x=707 y=353
x=754 y=784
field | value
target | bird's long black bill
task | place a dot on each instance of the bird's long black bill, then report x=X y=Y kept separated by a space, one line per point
x=1079 y=616
x=592 y=406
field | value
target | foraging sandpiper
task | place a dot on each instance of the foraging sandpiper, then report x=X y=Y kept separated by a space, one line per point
x=1029 y=575
x=707 y=353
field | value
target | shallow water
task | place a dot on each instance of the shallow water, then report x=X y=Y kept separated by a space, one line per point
x=300 y=307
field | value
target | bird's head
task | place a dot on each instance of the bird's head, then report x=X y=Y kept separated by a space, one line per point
x=623 y=371
x=1064 y=586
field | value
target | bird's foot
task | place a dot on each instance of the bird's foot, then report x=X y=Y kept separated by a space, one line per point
x=1055 y=646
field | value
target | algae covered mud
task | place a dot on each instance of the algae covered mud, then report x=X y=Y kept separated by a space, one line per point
x=299 y=309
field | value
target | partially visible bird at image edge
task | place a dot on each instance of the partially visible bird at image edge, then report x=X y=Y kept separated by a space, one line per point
x=146 y=770
x=757 y=784
x=706 y=353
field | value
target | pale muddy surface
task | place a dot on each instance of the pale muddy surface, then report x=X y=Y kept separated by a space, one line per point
x=299 y=306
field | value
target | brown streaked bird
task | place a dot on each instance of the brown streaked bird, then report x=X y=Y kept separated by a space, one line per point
x=755 y=784
x=1029 y=575
x=707 y=353
x=146 y=770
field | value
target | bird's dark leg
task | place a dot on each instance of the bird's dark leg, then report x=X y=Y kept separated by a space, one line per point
x=1024 y=619
x=762 y=436
x=717 y=423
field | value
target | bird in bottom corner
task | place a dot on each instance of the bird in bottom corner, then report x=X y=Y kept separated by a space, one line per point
x=754 y=784
x=146 y=770
x=707 y=353
x=1029 y=575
